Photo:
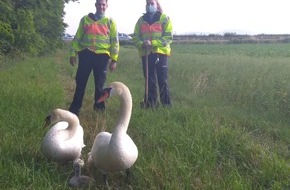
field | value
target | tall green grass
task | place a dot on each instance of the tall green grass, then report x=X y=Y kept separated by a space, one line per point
x=228 y=127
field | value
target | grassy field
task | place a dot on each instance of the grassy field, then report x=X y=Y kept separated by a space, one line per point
x=228 y=127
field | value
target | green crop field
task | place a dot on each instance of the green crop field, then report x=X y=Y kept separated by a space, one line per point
x=228 y=128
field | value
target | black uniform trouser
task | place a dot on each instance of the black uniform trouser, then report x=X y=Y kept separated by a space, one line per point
x=157 y=72
x=89 y=61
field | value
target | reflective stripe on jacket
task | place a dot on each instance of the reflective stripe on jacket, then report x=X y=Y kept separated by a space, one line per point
x=160 y=34
x=99 y=36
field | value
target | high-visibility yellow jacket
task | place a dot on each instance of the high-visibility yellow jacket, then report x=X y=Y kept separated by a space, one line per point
x=99 y=36
x=160 y=34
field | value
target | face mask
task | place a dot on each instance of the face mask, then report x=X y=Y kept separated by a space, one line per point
x=151 y=8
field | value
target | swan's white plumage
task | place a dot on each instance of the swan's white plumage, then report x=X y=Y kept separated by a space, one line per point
x=115 y=151
x=64 y=140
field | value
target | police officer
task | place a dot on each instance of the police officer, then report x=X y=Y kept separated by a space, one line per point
x=152 y=37
x=96 y=44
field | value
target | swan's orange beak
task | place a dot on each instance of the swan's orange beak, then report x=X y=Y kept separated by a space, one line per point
x=105 y=95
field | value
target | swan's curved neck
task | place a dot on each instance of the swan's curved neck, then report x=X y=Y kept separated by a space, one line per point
x=124 y=113
x=73 y=122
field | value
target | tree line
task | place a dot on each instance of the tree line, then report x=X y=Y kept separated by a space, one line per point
x=33 y=27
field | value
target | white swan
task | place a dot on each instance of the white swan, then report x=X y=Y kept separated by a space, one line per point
x=64 y=141
x=117 y=151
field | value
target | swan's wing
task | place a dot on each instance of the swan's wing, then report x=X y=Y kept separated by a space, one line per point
x=75 y=143
x=80 y=132
x=60 y=145
x=55 y=135
x=100 y=147
x=102 y=139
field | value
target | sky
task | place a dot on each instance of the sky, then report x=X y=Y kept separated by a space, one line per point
x=194 y=17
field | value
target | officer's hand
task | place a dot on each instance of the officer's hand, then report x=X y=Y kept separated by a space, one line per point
x=113 y=65
x=73 y=61
x=147 y=44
